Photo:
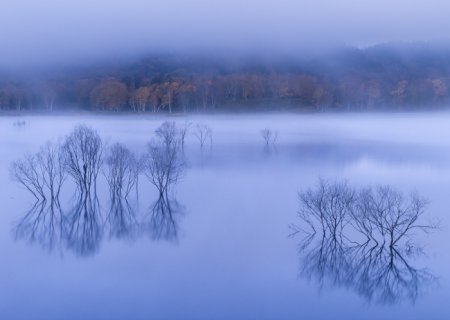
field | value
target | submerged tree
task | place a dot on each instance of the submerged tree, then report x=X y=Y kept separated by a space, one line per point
x=25 y=173
x=42 y=173
x=362 y=239
x=379 y=213
x=168 y=133
x=122 y=174
x=269 y=136
x=203 y=133
x=51 y=164
x=183 y=131
x=122 y=171
x=163 y=165
x=82 y=151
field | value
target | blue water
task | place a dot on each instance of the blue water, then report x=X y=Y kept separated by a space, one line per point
x=231 y=256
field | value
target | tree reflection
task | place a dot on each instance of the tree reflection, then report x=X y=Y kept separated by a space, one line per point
x=163 y=219
x=43 y=224
x=42 y=174
x=363 y=240
x=122 y=174
x=81 y=157
x=164 y=165
x=84 y=225
x=121 y=219
x=82 y=151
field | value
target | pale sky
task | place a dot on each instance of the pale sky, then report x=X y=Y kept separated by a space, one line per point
x=41 y=31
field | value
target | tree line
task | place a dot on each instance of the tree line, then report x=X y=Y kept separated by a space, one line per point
x=353 y=79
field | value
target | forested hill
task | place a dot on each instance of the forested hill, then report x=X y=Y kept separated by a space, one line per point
x=397 y=77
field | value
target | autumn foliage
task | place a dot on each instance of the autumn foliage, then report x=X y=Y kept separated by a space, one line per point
x=371 y=79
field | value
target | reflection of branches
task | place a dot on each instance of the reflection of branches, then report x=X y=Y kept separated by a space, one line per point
x=121 y=219
x=375 y=272
x=163 y=221
x=375 y=265
x=385 y=275
x=42 y=224
x=84 y=230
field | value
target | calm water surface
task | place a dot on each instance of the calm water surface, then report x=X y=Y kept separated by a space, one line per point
x=228 y=254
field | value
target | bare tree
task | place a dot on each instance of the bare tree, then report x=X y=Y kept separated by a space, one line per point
x=269 y=136
x=122 y=174
x=168 y=133
x=386 y=213
x=122 y=171
x=25 y=173
x=163 y=165
x=42 y=173
x=203 y=133
x=19 y=123
x=183 y=131
x=171 y=133
x=380 y=213
x=329 y=205
x=82 y=151
x=51 y=164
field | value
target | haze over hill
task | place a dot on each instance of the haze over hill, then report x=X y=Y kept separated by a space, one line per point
x=48 y=32
x=174 y=55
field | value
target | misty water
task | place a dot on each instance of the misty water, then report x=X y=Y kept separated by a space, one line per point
x=228 y=250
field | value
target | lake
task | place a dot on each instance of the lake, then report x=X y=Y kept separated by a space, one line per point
x=228 y=251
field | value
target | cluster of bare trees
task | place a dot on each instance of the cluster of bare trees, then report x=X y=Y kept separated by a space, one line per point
x=82 y=156
x=19 y=123
x=363 y=239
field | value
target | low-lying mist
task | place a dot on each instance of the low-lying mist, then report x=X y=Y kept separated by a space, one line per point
x=402 y=76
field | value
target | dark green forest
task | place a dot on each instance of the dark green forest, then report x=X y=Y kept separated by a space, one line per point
x=381 y=77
